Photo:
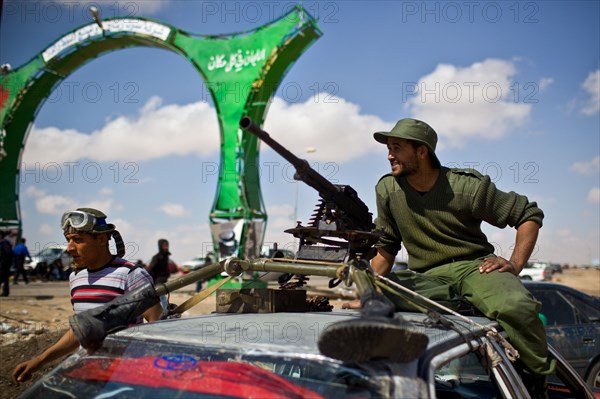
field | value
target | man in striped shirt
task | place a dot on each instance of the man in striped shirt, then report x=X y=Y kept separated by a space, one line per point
x=99 y=277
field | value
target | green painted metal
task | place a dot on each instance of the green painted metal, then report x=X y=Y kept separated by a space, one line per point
x=241 y=70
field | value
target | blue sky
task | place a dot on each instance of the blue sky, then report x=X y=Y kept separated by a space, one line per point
x=512 y=88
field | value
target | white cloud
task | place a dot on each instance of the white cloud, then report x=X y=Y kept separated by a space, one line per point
x=544 y=83
x=46 y=230
x=284 y=210
x=50 y=204
x=57 y=204
x=185 y=240
x=337 y=130
x=158 y=131
x=593 y=196
x=176 y=210
x=586 y=167
x=592 y=86
x=463 y=103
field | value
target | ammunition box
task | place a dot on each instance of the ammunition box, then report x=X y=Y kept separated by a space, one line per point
x=260 y=300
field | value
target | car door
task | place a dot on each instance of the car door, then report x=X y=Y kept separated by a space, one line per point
x=464 y=371
x=571 y=338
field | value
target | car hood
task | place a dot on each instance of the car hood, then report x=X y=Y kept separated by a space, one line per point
x=275 y=332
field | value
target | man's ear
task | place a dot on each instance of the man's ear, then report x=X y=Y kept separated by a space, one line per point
x=422 y=151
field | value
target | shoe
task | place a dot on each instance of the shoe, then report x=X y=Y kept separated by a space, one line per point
x=371 y=338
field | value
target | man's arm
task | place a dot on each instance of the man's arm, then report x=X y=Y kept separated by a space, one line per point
x=382 y=262
x=65 y=345
x=527 y=234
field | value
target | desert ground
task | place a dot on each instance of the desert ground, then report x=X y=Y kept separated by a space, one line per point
x=35 y=315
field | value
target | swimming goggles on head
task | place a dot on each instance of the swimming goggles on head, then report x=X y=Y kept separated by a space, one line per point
x=80 y=220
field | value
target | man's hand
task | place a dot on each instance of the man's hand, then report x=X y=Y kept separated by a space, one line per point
x=23 y=371
x=355 y=304
x=492 y=263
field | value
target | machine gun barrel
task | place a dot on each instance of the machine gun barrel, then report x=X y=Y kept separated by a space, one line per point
x=303 y=169
x=345 y=198
x=203 y=273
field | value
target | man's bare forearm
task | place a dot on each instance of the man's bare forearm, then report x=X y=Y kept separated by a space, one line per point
x=382 y=262
x=527 y=234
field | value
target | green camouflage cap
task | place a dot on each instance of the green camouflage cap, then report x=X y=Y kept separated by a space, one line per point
x=412 y=129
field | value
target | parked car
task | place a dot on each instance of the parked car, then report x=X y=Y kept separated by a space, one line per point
x=197 y=262
x=572 y=325
x=551 y=268
x=276 y=355
x=535 y=272
x=192 y=264
x=554 y=267
x=273 y=253
x=52 y=262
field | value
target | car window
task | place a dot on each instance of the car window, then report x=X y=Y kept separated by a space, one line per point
x=465 y=377
x=586 y=311
x=555 y=307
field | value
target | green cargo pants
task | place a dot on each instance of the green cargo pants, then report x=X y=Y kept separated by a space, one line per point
x=499 y=296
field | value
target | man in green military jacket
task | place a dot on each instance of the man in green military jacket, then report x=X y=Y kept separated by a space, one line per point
x=437 y=212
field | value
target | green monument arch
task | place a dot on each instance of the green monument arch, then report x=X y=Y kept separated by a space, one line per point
x=241 y=71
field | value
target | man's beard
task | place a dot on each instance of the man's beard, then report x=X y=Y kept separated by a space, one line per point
x=406 y=169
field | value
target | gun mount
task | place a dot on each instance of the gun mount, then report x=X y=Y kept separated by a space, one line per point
x=341 y=227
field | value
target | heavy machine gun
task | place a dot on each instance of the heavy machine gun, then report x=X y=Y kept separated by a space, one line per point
x=341 y=222
x=338 y=243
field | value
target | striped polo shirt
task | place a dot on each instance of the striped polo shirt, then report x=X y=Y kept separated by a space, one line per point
x=92 y=288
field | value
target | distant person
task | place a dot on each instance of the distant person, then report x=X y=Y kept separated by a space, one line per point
x=21 y=252
x=140 y=263
x=6 y=261
x=159 y=270
x=98 y=278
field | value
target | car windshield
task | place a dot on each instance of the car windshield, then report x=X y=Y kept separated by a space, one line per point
x=137 y=369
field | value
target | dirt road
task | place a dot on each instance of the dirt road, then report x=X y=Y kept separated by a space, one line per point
x=35 y=315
